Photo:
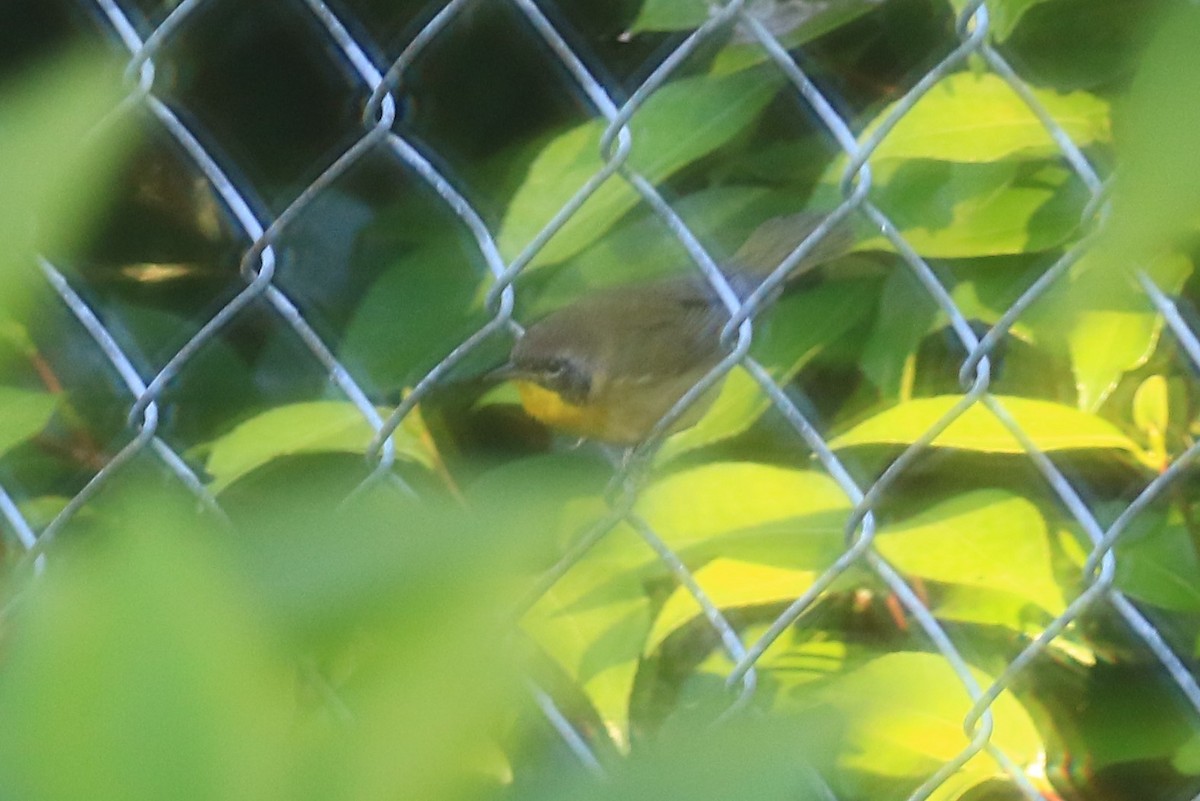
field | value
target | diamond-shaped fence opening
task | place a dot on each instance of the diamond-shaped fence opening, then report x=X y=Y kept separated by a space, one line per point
x=938 y=513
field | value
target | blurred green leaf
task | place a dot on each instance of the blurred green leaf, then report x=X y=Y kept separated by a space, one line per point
x=313 y=427
x=977 y=117
x=143 y=664
x=1156 y=198
x=23 y=413
x=769 y=760
x=1051 y=426
x=680 y=123
x=990 y=539
x=1187 y=758
x=416 y=589
x=47 y=180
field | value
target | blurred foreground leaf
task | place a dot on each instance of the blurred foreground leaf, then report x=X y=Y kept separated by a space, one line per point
x=23 y=413
x=137 y=669
x=51 y=186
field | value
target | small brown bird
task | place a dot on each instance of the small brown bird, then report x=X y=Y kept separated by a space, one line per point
x=610 y=365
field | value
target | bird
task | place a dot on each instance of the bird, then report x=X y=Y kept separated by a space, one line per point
x=610 y=365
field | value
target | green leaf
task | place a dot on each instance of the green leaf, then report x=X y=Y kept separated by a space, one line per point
x=1187 y=758
x=670 y=15
x=905 y=716
x=299 y=428
x=951 y=210
x=418 y=310
x=966 y=604
x=977 y=117
x=723 y=510
x=1156 y=197
x=724 y=498
x=763 y=531
x=1081 y=44
x=1051 y=426
x=680 y=123
x=990 y=539
x=141 y=659
x=906 y=314
x=729 y=584
x=790 y=335
x=598 y=642
x=1157 y=562
x=23 y=413
x=643 y=247
x=792 y=22
x=1003 y=15
x=1107 y=323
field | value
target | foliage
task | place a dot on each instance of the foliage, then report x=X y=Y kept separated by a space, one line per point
x=339 y=639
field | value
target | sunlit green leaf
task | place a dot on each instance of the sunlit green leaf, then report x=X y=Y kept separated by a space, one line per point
x=723 y=498
x=962 y=210
x=681 y=122
x=1051 y=426
x=314 y=427
x=905 y=714
x=988 y=539
x=598 y=643
x=23 y=413
x=977 y=117
x=729 y=584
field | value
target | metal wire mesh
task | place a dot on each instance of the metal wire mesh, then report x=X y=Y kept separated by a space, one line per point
x=350 y=52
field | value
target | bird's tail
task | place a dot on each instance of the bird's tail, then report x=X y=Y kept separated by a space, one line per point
x=772 y=241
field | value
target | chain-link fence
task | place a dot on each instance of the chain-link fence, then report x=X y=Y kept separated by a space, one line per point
x=361 y=65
